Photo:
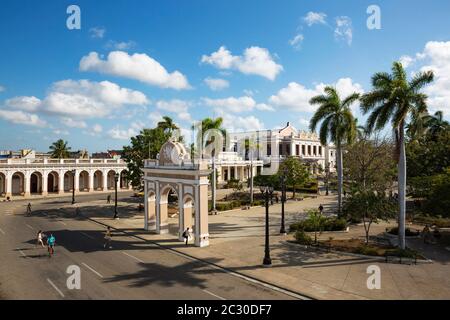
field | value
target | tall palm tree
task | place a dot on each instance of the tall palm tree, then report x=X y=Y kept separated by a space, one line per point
x=436 y=123
x=167 y=124
x=417 y=126
x=394 y=99
x=59 y=149
x=210 y=124
x=338 y=125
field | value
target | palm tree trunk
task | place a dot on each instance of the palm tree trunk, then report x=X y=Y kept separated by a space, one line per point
x=339 y=176
x=402 y=190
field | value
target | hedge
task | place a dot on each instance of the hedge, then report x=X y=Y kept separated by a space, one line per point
x=327 y=224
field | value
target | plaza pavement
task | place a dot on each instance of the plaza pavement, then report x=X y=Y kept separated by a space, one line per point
x=237 y=244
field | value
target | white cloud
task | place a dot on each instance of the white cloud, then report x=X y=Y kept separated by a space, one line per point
x=138 y=66
x=297 y=41
x=20 y=117
x=25 y=103
x=296 y=96
x=303 y=122
x=121 y=45
x=125 y=134
x=241 y=124
x=315 y=18
x=255 y=60
x=264 y=107
x=216 y=84
x=84 y=98
x=2 y=89
x=406 y=61
x=69 y=122
x=180 y=107
x=436 y=57
x=344 y=29
x=61 y=132
x=97 y=32
x=97 y=128
x=232 y=104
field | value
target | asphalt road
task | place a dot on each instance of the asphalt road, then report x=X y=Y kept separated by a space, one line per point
x=131 y=269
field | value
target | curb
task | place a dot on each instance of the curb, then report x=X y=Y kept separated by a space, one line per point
x=252 y=279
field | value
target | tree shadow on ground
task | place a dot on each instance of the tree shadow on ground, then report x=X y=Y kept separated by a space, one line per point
x=188 y=274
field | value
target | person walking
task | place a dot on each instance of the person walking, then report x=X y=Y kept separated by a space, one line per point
x=40 y=237
x=29 y=208
x=108 y=238
x=51 y=245
x=321 y=208
x=108 y=199
x=187 y=235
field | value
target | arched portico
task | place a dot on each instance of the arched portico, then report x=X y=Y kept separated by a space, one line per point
x=68 y=181
x=123 y=184
x=175 y=172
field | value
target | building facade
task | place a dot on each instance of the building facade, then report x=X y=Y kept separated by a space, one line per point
x=271 y=147
x=23 y=177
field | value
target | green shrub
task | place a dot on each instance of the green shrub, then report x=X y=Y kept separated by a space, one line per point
x=404 y=253
x=302 y=238
x=367 y=250
x=438 y=221
x=325 y=224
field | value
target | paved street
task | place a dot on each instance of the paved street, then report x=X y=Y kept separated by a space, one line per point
x=132 y=269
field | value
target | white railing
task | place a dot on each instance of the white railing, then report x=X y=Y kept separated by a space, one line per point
x=13 y=161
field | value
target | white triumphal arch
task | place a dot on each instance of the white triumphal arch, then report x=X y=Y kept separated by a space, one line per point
x=175 y=173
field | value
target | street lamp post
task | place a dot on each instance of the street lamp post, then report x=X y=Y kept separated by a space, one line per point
x=283 y=200
x=73 y=186
x=267 y=191
x=116 y=180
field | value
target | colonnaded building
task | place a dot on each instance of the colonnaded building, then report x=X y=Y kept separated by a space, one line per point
x=30 y=174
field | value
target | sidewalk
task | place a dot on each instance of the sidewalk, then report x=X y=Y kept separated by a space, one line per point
x=237 y=244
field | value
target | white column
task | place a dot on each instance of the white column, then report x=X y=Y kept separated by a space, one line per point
x=91 y=180
x=145 y=206
x=158 y=207
x=8 y=185
x=181 y=223
x=77 y=181
x=45 y=183
x=61 y=182
x=105 y=180
x=27 y=184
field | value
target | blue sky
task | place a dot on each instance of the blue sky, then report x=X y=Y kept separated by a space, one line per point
x=255 y=63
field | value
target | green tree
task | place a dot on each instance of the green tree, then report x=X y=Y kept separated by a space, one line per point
x=369 y=163
x=429 y=155
x=436 y=124
x=296 y=172
x=369 y=206
x=167 y=125
x=394 y=99
x=146 y=145
x=209 y=124
x=59 y=149
x=338 y=126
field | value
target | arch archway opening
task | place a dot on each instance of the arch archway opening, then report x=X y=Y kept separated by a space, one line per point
x=111 y=180
x=98 y=180
x=36 y=183
x=84 y=181
x=53 y=182
x=123 y=184
x=169 y=210
x=18 y=184
x=68 y=181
